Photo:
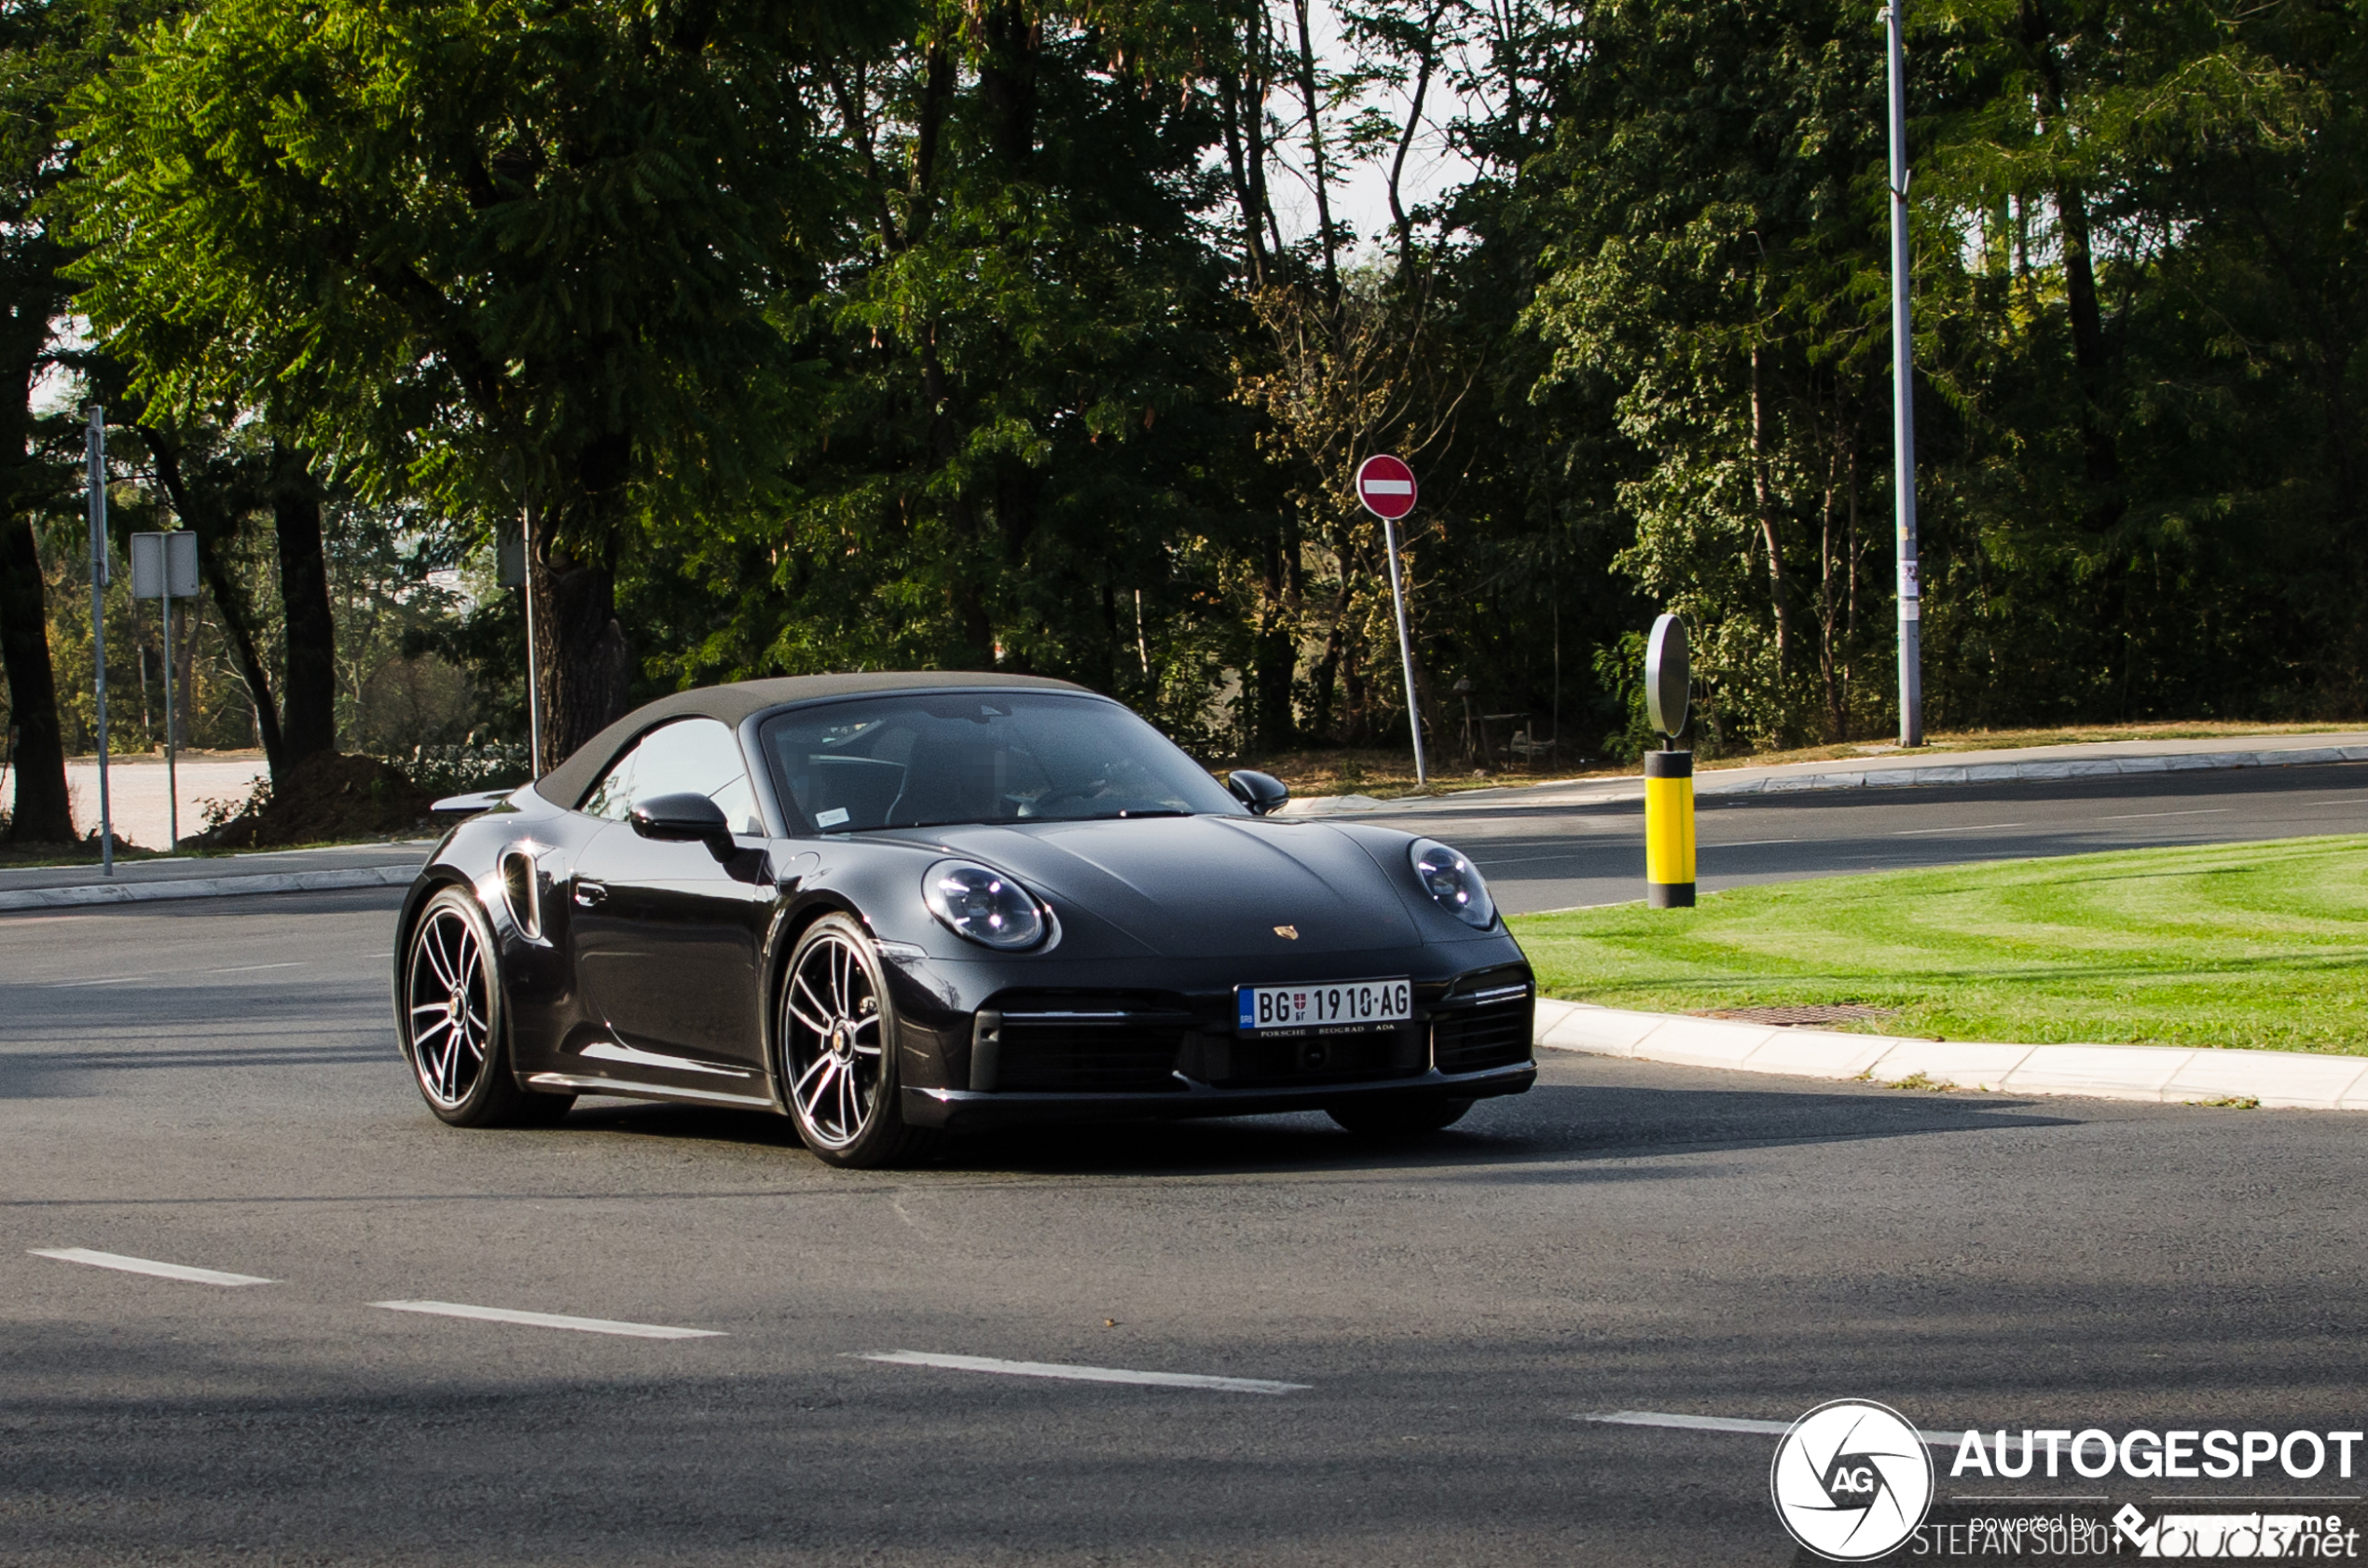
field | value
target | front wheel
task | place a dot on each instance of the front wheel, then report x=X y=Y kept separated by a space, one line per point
x=455 y=1021
x=1398 y=1118
x=838 y=1051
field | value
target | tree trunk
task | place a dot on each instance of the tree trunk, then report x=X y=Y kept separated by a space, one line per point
x=309 y=694
x=579 y=650
x=42 y=814
x=1316 y=153
x=215 y=524
x=1779 y=591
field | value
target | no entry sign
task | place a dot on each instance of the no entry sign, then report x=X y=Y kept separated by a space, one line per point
x=1386 y=485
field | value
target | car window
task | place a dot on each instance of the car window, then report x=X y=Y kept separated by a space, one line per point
x=688 y=757
x=912 y=761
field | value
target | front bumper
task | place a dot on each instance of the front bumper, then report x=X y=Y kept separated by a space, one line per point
x=964 y=1108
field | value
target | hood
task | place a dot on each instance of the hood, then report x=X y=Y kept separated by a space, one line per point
x=1204 y=887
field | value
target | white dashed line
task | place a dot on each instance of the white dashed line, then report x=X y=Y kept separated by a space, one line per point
x=248 y=968
x=1079 y=1374
x=552 y=1320
x=78 y=984
x=1970 y=828
x=1727 y=1424
x=1752 y=843
x=2199 y=811
x=145 y=1266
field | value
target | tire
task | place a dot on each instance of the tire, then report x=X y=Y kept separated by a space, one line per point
x=837 y=1037
x=454 y=1021
x=1398 y=1118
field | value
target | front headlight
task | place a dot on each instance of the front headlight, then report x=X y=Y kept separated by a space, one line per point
x=1450 y=879
x=983 y=906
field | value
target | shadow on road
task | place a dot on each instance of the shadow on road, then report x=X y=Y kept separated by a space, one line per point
x=1554 y=1133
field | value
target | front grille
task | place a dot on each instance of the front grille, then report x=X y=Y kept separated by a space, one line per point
x=1345 y=1058
x=1077 y=1048
x=1490 y=1033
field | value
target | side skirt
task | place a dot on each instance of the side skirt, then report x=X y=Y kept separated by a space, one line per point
x=647 y=1092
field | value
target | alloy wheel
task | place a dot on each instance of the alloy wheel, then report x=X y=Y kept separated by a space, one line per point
x=832 y=1039
x=447 y=993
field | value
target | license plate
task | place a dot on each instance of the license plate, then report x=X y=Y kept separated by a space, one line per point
x=1340 y=1007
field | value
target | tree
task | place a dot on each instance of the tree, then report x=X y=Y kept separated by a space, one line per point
x=45 y=53
x=501 y=254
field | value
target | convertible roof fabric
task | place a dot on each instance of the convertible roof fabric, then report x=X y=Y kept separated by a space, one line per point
x=568 y=783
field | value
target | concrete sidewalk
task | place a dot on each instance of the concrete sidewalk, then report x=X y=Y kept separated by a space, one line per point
x=1894 y=769
x=2172 y=1074
x=270 y=871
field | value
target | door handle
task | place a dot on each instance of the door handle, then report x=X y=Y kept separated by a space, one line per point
x=589 y=894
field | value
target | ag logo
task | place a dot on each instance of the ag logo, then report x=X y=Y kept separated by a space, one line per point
x=1852 y=1480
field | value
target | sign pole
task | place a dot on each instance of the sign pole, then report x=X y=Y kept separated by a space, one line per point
x=1386 y=488
x=172 y=741
x=1902 y=399
x=94 y=444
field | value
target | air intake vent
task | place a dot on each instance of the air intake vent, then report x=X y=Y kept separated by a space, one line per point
x=518 y=893
x=1495 y=1034
x=1084 y=1045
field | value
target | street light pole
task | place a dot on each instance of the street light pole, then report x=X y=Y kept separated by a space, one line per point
x=1903 y=398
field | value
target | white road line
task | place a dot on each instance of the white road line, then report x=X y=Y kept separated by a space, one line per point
x=245 y=969
x=1747 y=843
x=2199 y=811
x=145 y=1266
x=1728 y=1424
x=1970 y=828
x=78 y=984
x=552 y=1320
x=1079 y=1374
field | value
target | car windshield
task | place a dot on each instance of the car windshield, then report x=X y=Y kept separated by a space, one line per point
x=919 y=761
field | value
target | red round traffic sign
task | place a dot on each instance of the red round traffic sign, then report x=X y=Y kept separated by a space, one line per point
x=1386 y=485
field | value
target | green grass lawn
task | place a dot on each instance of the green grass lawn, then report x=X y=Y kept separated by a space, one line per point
x=2242 y=944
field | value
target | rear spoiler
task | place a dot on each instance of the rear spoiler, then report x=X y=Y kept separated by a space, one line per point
x=469 y=806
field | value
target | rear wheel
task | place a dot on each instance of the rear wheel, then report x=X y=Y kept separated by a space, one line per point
x=838 y=1051
x=455 y=1021
x=1398 y=1118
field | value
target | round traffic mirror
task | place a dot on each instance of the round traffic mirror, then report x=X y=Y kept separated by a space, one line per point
x=1668 y=677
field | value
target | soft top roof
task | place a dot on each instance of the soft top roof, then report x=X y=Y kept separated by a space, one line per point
x=567 y=784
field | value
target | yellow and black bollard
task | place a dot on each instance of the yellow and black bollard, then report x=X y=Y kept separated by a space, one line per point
x=1668 y=829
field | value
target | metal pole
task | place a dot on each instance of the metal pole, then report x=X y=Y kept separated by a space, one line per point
x=1902 y=399
x=533 y=675
x=171 y=778
x=95 y=452
x=1405 y=652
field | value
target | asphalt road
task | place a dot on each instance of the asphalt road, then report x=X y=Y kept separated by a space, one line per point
x=214 y=1084
x=1545 y=857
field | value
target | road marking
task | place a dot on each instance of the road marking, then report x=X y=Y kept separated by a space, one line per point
x=1973 y=828
x=552 y=1320
x=1749 y=843
x=247 y=969
x=1728 y=1424
x=145 y=1266
x=1079 y=1374
x=2199 y=811
x=1525 y=859
x=78 y=984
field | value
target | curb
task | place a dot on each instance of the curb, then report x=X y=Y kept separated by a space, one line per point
x=207 y=888
x=2162 y=1074
x=1727 y=783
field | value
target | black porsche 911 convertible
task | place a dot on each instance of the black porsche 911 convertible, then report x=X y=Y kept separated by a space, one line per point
x=884 y=905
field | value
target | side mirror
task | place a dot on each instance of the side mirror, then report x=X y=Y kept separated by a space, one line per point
x=685 y=817
x=1262 y=793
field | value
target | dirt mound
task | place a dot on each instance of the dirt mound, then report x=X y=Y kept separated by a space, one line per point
x=328 y=796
